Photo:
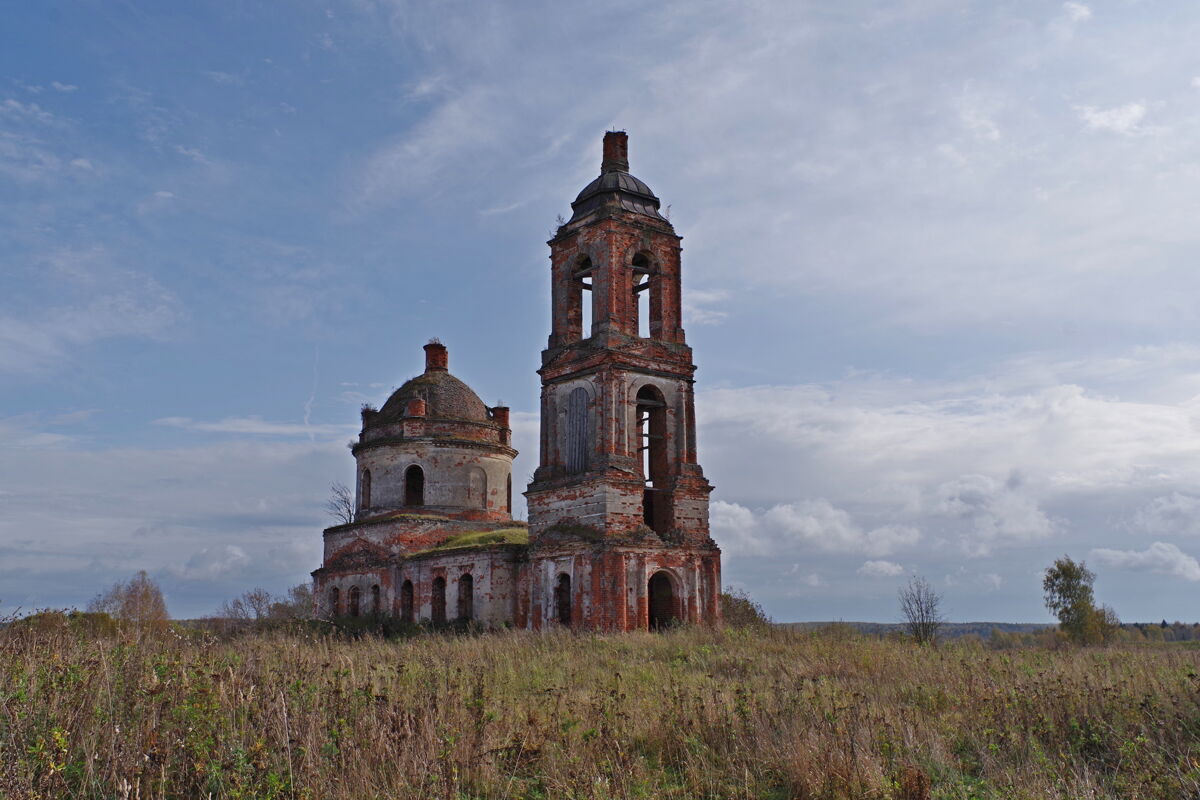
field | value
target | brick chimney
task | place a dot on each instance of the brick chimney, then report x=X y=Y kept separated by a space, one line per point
x=500 y=417
x=436 y=358
x=616 y=152
x=415 y=408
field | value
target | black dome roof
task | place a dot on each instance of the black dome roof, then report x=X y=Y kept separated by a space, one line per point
x=616 y=185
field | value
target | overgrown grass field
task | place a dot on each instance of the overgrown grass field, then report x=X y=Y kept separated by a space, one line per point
x=687 y=714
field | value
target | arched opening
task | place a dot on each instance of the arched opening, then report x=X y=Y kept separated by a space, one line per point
x=406 y=602
x=562 y=599
x=414 y=486
x=466 y=598
x=375 y=600
x=439 y=601
x=335 y=602
x=364 y=489
x=652 y=449
x=354 y=598
x=580 y=300
x=642 y=289
x=508 y=494
x=578 y=426
x=477 y=488
x=661 y=603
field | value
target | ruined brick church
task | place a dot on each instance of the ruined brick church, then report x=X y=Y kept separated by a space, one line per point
x=618 y=535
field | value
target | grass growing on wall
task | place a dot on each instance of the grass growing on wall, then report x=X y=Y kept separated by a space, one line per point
x=687 y=714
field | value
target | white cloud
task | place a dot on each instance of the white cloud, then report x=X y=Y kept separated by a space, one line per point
x=1161 y=558
x=736 y=528
x=832 y=529
x=880 y=569
x=63 y=87
x=210 y=563
x=1172 y=514
x=997 y=511
x=1125 y=120
x=698 y=306
x=1071 y=16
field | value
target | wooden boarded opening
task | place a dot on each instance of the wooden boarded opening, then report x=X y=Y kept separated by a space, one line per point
x=439 y=601
x=562 y=599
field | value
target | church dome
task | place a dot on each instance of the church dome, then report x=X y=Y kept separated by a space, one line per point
x=616 y=185
x=445 y=396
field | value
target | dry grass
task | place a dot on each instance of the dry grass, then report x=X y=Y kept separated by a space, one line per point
x=688 y=714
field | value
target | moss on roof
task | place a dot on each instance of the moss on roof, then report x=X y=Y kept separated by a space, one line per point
x=482 y=539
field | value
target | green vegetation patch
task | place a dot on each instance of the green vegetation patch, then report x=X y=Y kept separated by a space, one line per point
x=484 y=538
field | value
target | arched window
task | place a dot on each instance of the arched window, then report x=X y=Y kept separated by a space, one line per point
x=578 y=426
x=406 y=602
x=661 y=602
x=643 y=290
x=562 y=599
x=414 y=486
x=375 y=600
x=508 y=494
x=364 y=489
x=466 y=598
x=439 y=601
x=335 y=602
x=652 y=447
x=579 y=301
x=354 y=595
x=477 y=488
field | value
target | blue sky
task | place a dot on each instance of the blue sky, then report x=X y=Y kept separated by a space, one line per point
x=939 y=276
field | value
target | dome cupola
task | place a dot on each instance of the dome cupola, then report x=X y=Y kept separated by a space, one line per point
x=616 y=186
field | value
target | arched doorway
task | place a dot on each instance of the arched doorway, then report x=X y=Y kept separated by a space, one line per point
x=406 y=601
x=466 y=598
x=562 y=600
x=661 y=602
x=439 y=601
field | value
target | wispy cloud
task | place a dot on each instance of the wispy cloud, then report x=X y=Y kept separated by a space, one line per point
x=1125 y=120
x=255 y=426
x=1161 y=558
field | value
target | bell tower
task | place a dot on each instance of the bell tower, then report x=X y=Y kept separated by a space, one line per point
x=618 y=507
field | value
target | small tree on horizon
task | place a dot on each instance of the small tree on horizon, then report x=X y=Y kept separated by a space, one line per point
x=921 y=607
x=1069 y=596
x=139 y=601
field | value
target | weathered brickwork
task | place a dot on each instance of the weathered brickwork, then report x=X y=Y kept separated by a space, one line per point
x=618 y=535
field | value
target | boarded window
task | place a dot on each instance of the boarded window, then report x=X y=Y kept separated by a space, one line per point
x=477 y=488
x=354 y=597
x=562 y=599
x=414 y=486
x=439 y=601
x=466 y=598
x=578 y=426
x=406 y=601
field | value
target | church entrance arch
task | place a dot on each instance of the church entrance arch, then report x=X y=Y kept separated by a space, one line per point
x=660 y=594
